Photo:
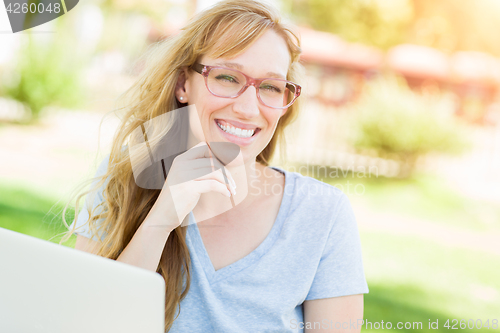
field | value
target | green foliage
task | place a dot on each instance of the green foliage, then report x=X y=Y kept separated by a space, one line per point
x=379 y=23
x=393 y=121
x=440 y=24
x=47 y=73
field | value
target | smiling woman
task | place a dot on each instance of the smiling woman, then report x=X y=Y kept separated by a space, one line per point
x=288 y=251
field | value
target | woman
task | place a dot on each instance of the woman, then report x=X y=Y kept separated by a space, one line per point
x=286 y=256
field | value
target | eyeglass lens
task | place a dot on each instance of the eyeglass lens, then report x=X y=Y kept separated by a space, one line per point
x=228 y=83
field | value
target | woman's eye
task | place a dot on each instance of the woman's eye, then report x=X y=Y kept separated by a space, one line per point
x=271 y=88
x=227 y=78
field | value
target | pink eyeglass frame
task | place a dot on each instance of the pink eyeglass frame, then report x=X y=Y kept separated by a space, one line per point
x=205 y=70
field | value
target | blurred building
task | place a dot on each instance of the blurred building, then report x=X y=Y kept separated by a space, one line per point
x=339 y=69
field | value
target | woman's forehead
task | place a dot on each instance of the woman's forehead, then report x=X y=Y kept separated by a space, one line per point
x=268 y=55
x=241 y=67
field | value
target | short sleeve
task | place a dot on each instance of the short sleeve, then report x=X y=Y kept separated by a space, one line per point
x=92 y=200
x=340 y=271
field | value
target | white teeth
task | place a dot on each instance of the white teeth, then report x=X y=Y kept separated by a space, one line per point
x=236 y=131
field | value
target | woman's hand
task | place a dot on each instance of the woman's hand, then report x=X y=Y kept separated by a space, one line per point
x=190 y=175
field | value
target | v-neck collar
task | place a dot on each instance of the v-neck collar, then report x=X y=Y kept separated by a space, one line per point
x=213 y=276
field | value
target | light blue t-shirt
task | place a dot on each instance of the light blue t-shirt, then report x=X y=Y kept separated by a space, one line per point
x=313 y=251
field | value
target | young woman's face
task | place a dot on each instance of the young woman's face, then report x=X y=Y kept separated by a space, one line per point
x=268 y=54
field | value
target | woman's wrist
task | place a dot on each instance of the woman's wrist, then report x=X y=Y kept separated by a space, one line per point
x=160 y=219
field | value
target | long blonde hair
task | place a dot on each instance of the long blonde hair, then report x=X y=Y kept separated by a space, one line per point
x=224 y=30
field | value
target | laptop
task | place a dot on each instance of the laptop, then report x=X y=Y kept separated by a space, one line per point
x=50 y=288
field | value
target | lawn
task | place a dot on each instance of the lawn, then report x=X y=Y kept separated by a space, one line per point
x=414 y=280
x=33 y=214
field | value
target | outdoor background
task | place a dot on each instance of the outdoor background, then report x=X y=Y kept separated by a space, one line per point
x=401 y=111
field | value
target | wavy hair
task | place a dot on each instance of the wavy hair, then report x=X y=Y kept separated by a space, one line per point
x=226 y=29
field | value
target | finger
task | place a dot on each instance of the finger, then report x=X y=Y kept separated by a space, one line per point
x=228 y=173
x=210 y=185
x=198 y=163
x=184 y=175
x=217 y=175
x=201 y=150
x=207 y=173
x=227 y=179
x=217 y=162
x=203 y=163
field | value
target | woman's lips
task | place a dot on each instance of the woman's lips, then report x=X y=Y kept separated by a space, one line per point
x=235 y=139
x=236 y=124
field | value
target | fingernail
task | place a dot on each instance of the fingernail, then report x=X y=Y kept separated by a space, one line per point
x=230 y=177
x=232 y=181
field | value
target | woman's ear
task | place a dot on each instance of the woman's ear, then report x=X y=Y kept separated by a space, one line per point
x=182 y=86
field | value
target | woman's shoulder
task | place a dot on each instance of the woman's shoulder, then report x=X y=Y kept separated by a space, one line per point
x=311 y=204
x=103 y=162
x=309 y=199
x=308 y=187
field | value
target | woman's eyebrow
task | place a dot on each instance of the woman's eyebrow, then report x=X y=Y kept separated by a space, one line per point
x=241 y=67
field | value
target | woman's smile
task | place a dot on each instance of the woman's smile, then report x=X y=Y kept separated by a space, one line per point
x=240 y=134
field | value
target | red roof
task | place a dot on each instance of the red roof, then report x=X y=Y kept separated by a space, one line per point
x=475 y=66
x=330 y=50
x=418 y=61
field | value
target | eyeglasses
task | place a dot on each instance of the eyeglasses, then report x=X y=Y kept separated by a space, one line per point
x=231 y=83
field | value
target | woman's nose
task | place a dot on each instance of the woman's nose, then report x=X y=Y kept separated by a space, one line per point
x=247 y=104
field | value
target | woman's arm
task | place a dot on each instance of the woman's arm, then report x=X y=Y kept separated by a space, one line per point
x=144 y=249
x=146 y=246
x=345 y=311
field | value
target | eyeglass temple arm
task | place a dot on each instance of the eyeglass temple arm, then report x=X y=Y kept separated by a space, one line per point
x=295 y=89
x=197 y=67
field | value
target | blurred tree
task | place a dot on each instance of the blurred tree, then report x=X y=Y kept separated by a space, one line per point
x=448 y=25
x=395 y=122
x=155 y=9
x=453 y=25
x=130 y=25
x=47 y=72
x=378 y=23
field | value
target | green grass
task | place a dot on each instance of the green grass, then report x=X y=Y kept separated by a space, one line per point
x=429 y=197
x=32 y=214
x=412 y=279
